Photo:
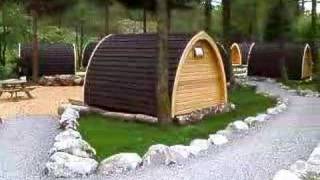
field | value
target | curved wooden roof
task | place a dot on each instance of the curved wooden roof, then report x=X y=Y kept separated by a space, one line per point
x=121 y=74
x=244 y=50
x=87 y=53
x=265 y=60
x=54 y=59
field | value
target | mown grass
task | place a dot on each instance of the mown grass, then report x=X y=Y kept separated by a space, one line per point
x=302 y=85
x=109 y=136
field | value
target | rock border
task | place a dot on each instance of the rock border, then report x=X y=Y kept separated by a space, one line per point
x=298 y=92
x=301 y=169
x=69 y=154
x=61 y=80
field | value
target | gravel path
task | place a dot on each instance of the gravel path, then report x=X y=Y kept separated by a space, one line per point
x=288 y=137
x=24 y=147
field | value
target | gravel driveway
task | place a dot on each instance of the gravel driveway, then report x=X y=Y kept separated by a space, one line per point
x=24 y=147
x=290 y=136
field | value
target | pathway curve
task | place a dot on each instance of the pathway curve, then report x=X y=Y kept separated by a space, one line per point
x=286 y=138
x=25 y=142
x=24 y=147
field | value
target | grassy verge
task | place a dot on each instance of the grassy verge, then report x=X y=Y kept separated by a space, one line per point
x=111 y=136
x=302 y=85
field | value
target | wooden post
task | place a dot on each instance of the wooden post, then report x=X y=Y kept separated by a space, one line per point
x=162 y=91
x=35 y=46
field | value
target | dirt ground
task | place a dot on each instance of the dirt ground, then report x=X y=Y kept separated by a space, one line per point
x=45 y=102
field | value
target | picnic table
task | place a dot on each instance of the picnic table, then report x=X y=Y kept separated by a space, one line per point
x=14 y=86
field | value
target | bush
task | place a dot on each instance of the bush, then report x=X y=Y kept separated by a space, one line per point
x=6 y=72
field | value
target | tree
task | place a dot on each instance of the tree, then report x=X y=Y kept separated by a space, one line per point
x=106 y=6
x=151 y=5
x=207 y=14
x=163 y=102
x=13 y=29
x=226 y=24
x=279 y=23
x=314 y=30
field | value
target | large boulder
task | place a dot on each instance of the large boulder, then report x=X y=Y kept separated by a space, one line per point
x=77 y=147
x=217 y=139
x=64 y=165
x=160 y=155
x=199 y=145
x=262 y=117
x=68 y=134
x=239 y=126
x=226 y=132
x=251 y=121
x=285 y=175
x=120 y=163
x=272 y=111
x=314 y=158
x=184 y=151
x=300 y=168
x=65 y=80
x=69 y=118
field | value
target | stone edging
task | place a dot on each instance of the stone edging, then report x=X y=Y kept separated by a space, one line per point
x=61 y=80
x=299 y=92
x=301 y=169
x=71 y=156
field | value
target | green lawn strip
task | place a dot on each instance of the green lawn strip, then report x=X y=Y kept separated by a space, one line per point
x=302 y=85
x=110 y=136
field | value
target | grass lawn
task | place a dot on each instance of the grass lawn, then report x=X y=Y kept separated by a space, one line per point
x=110 y=136
x=302 y=84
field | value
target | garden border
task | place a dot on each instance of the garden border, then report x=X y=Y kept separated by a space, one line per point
x=69 y=147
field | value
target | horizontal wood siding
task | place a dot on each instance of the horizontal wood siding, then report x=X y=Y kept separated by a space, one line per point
x=235 y=55
x=54 y=59
x=122 y=73
x=200 y=82
x=265 y=60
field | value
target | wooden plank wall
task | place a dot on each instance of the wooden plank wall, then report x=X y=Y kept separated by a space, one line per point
x=200 y=83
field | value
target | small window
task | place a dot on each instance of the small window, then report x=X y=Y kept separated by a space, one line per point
x=198 y=52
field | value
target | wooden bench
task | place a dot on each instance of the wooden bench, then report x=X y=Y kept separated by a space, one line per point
x=14 y=91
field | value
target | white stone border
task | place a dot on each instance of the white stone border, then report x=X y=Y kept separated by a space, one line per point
x=70 y=152
x=299 y=91
x=301 y=169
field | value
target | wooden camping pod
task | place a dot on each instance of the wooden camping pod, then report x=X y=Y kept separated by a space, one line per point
x=54 y=59
x=240 y=52
x=87 y=53
x=265 y=61
x=122 y=75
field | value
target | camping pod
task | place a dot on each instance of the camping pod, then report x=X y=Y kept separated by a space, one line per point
x=87 y=53
x=266 y=61
x=240 y=52
x=122 y=74
x=225 y=59
x=54 y=59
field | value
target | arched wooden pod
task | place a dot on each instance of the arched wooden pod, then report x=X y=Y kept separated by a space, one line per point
x=225 y=59
x=87 y=53
x=265 y=61
x=122 y=74
x=53 y=59
x=240 y=52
